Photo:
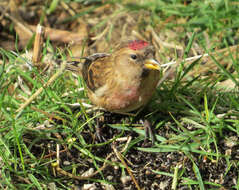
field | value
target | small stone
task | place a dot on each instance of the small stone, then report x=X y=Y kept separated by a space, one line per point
x=155 y=185
x=231 y=141
x=76 y=188
x=125 y=179
x=109 y=177
x=220 y=116
x=52 y=186
x=147 y=172
x=228 y=152
x=66 y=163
x=89 y=187
x=163 y=185
x=88 y=173
x=108 y=187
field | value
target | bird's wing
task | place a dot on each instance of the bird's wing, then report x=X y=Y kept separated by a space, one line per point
x=96 y=68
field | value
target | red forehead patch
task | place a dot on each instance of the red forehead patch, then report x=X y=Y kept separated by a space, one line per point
x=137 y=44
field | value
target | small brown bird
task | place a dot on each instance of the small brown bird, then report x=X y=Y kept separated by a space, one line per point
x=123 y=81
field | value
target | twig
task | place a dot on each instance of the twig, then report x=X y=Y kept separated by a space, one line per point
x=3 y=11
x=162 y=43
x=19 y=24
x=118 y=154
x=167 y=73
x=47 y=114
x=63 y=172
x=186 y=60
x=127 y=143
x=66 y=6
x=175 y=178
x=100 y=36
x=48 y=83
x=37 y=51
x=53 y=154
x=200 y=56
x=189 y=59
x=58 y=154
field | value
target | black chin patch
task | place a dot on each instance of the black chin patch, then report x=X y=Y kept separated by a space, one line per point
x=145 y=73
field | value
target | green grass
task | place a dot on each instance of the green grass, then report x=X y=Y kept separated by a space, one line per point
x=192 y=116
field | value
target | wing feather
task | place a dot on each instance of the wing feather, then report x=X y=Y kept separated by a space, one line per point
x=96 y=69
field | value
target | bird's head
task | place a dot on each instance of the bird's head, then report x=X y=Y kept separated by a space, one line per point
x=135 y=56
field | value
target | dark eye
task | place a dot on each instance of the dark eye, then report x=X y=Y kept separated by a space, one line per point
x=133 y=56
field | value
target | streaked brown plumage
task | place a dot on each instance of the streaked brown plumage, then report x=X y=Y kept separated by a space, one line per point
x=122 y=81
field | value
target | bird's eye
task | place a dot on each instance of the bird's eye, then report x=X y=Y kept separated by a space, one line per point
x=133 y=56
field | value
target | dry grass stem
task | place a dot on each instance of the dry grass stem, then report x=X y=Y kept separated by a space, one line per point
x=38 y=43
x=48 y=83
x=120 y=157
x=26 y=30
x=162 y=43
x=63 y=172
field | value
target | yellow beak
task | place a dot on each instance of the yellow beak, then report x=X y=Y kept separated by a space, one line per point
x=152 y=64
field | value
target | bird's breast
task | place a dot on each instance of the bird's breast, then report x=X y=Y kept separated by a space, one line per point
x=115 y=98
x=124 y=98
